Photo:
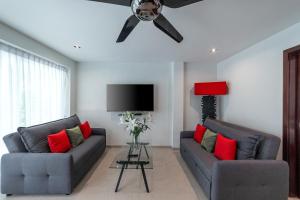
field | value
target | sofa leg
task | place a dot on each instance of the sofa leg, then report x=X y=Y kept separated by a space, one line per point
x=8 y=195
x=67 y=194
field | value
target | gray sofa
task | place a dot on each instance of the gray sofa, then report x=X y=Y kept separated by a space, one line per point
x=23 y=172
x=262 y=178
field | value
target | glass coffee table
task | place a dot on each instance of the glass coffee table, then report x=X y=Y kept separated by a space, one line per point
x=133 y=156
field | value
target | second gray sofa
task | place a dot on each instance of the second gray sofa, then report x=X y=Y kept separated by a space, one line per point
x=23 y=172
x=262 y=178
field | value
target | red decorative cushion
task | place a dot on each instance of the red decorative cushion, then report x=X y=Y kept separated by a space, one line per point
x=198 y=135
x=225 y=148
x=59 y=142
x=86 y=130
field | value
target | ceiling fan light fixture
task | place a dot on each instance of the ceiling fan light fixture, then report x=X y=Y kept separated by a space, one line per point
x=146 y=10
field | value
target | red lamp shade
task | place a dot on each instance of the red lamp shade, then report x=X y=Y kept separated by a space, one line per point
x=211 y=88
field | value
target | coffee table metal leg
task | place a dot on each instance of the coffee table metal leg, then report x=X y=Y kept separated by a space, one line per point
x=146 y=151
x=145 y=178
x=129 y=155
x=140 y=151
x=120 y=177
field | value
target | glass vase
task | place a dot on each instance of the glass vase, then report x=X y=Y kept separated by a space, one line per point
x=135 y=141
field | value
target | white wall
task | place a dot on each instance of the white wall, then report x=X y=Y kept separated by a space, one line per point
x=177 y=102
x=174 y=111
x=15 y=38
x=195 y=72
x=255 y=78
x=91 y=99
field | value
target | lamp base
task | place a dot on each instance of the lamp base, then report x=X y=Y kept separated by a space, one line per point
x=208 y=107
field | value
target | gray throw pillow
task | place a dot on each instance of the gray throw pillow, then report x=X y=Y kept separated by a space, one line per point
x=247 y=147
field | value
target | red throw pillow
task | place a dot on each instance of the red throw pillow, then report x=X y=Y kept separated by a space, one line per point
x=86 y=130
x=198 y=135
x=225 y=148
x=59 y=142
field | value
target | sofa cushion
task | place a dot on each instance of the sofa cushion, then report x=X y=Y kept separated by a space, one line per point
x=14 y=143
x=247 y=147
x=35 y=137
x=225 y=148
x=82 y=152
x=86 y=130
x=209 y=140
x=59 y=142
x=199 y=133
x=75 y=136
x=203 y=159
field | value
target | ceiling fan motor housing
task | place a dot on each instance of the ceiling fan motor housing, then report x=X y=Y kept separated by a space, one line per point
x=146 y=10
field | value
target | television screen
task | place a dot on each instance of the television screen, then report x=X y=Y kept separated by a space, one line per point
x=129 y=97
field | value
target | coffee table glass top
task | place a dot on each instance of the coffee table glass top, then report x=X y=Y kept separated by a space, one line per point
x=133 y=154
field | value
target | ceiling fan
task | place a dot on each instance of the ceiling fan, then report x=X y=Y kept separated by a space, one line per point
x=149 y=10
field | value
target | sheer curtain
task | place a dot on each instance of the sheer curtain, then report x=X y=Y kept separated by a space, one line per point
x=32 y=90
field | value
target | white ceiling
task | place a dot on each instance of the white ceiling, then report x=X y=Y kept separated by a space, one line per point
x=228 y=25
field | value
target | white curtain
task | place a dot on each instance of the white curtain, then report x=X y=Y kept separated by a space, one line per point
x=33 y=90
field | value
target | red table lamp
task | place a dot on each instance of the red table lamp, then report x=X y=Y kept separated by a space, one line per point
x=209 y=90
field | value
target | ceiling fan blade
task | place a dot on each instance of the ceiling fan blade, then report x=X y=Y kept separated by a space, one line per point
x=118 y=2
x=129 y=25
x=164 y=25
x=179 y=3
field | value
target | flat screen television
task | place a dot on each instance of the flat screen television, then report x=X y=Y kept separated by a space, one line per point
x=130 y=97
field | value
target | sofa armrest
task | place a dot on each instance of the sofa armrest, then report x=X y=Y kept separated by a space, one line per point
x=250 y=179
x=36 y=173
x=99 y=131
x=186 y=134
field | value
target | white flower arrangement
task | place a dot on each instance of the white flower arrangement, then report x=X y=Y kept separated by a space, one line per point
x=135 y=125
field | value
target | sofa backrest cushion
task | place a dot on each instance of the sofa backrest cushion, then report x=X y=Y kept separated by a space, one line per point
x=35 y=137
x=266 y=149
x=14 y=143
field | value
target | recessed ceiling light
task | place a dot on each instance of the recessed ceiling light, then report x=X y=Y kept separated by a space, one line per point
x=213 y=50
x=77 y=46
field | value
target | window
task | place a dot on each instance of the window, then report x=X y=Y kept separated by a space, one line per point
x=33 y=90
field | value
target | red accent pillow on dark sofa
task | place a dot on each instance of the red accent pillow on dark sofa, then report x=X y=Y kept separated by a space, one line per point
x=199 y=132
x=59 y=142
x=225 y=148
x=86 y=130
